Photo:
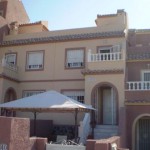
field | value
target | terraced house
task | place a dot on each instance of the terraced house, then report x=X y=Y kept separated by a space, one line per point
x=106 y=66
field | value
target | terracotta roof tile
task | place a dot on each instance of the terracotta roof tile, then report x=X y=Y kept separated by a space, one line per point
x=113 y=71
x=138 y=56
x=32 y=23
x=107 y=15
x=137 y=101
x=63 y=38
x=139 y=30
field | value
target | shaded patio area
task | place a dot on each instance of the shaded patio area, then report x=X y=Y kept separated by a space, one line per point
x=48 y=102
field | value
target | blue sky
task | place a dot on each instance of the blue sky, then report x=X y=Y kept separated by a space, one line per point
x=66 y=14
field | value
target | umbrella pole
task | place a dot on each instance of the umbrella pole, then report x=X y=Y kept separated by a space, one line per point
x=76 y=126
x=34 y=123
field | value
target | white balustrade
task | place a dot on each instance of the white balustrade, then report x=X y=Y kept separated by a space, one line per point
x=84 y=128
x=138 y=85
x=104 y=57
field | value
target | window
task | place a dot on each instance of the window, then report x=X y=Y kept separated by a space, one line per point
x=145 y=75
x=10 y=58
x=75 y=58
x=31 y=93
x=109 y=49
x=109 y=53
x=76 y=95
x=34 y=60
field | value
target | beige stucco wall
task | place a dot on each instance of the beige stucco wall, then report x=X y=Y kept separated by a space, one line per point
x=55 y=76
x=30 y=29
x=54 y=58
x=107 y=65
x=112 y=22
x=48 y=85
x=115 y=79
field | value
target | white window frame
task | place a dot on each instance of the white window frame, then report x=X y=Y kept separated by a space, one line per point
x=75 y=62
x=109 y=49
x=35 y=66
x=10 y=55
x=104 y=49
x=77 y=95
x=28 y=93
x=142 y=74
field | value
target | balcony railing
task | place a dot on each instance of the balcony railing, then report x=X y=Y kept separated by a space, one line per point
x=114 y=56
x=138 y=85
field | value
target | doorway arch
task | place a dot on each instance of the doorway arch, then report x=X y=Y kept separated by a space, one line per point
x=10 y=95
x=104 y=98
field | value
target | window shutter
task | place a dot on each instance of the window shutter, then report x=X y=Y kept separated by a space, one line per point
x=75 y=58
x=35 y=59
x=11 y=58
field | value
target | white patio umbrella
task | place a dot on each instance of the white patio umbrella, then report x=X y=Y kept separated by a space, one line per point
x=50 y=101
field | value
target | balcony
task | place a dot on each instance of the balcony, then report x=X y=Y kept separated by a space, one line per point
x=104 y=57
x=105 y=61
x=8 y=69
x=138 y=85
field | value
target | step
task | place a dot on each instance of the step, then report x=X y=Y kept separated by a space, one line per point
x=105 y=131
x=106 y=126
x=103 y=128
x=104 y=135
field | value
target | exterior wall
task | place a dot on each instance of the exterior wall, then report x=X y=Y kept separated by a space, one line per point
x=137 y=95
x=138 y=60
x=54 y=59
x=113 y=22
x=30 y=29
x=3 y=28
x=107 y=65
x=15 y=135
x=117 y=80
x=105 y=144
x=56 y=77
x=138 y=40
x=135 y=68
x=3 y=7
x=16 y=12
x=133 y=112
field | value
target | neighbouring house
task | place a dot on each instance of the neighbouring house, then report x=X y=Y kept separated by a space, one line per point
x=106 y=66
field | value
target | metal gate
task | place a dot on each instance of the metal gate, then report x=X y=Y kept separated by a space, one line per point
x=143 y=134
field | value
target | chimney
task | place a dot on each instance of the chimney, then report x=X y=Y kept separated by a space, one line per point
x=14 y=28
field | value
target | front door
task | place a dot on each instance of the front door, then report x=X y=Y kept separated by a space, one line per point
x=109 y=109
